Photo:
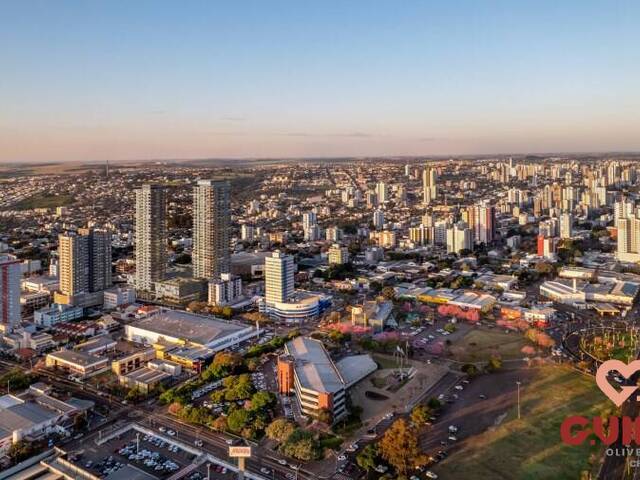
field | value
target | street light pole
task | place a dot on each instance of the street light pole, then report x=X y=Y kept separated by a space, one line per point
x=518 y=384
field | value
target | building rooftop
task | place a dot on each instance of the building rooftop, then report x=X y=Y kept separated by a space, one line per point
x=147 y=375
x=314 y=368
x=355 y=367
x=22 y=415
x=194 y=328
x=78 y=358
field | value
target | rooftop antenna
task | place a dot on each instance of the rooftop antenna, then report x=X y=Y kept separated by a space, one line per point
x=107 y=170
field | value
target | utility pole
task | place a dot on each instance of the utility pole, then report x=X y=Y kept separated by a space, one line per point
x=518 y=384
x=208 y=471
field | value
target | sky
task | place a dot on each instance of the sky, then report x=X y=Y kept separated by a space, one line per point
x=128 y=80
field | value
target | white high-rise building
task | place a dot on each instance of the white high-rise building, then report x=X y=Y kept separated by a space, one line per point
x=482 y=219
x=226 y=290
x=382 y=192
x=278 y=277
x=10 y=274
x=566 y=225
x=247 y=232
x=629 y=239
x=151 y=236
x=310 y=226
x=333 y=234
x=459 y=238
x=429 y=187
x=378 y=219
x=211 y=225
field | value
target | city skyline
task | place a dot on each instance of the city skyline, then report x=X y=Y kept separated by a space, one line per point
x=153 y=81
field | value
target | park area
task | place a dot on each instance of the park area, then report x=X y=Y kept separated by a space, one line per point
x=530 y=448
x=479 y=345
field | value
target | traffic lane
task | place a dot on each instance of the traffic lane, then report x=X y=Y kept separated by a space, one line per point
x=472 y=414
x=218 y=447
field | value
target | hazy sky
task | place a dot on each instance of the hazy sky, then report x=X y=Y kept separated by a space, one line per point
x=93 y=80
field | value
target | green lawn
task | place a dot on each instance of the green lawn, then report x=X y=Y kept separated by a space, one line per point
x=44 y=201
x=480 y=345
x=530 y=448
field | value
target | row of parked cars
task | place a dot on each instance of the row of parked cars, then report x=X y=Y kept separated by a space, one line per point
x=153 y=460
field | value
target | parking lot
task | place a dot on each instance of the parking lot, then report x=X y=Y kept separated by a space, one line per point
x=149 y=453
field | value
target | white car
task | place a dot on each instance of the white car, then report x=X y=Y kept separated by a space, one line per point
x=265 y=471
x=342 y=458
x=459 y=387
x=430 y=474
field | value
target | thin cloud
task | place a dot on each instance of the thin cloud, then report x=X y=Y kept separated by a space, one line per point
x=230 y=118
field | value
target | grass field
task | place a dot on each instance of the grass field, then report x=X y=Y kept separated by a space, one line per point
x=480 y=345
x=44 y=201
x=530 y=448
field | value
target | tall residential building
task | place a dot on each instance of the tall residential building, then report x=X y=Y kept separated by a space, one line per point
x=382 y=191
x=211 y=224
x=10 y=274
x=151 y=236
x=429 y=188
x=310 y=226
x=458 y=238
x=628 y=239
x=338 y=255
x=378 y=219
x=278 y=277
x=84 y=261
x=247 y=232
x=482 y=222
x=566 y=225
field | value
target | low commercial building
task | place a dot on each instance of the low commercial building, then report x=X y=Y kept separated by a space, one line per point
x=32 y=301
x=78 y=364
x=608 y=290
x=56 y=313
x=182 y=291
x=144 y=379
x=33 y=414
x=299 y=308
x=178 y=327
x=118 y=296
x=374 y=315
x=319 y=384
x=97 y=345
x=132 y=361
x=474 y=301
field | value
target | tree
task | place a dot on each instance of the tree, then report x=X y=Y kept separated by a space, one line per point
x=197 y=307
x=20 y=451
x=434 y=403
x=219 y=424
x=302 y=445
x=262 y=400
x=238 y=419
x=399 y=446
x=366 y=459
x=238 y=387
x=420 y=415
x=280 y=429
x=324 y=416
x=16 y=379
x=495 y=363
x=470 y=369
x=229 y=360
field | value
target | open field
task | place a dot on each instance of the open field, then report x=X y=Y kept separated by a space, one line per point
x=44 y=201
x=480 y=345
x=530 y=448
